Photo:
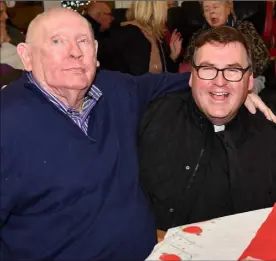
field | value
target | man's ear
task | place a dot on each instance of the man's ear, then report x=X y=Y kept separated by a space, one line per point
x=96 y=46
x=250 y=83
x=191 y=80
x=23 y=51
x=96 y=50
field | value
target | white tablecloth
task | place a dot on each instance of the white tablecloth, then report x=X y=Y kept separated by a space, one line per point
x=221 y=239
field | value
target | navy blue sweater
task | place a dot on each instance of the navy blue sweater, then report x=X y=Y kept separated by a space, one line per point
x=67 y=196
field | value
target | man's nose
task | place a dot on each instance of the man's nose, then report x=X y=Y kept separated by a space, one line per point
x=75 y=51
x=220 y=80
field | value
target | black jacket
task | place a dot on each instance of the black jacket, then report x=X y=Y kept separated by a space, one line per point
x=99 y=36
x=191 y=173
x=127 y=50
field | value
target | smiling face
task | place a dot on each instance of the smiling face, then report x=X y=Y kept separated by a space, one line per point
x=216 y=12
x=61 y=52
x=220 y=99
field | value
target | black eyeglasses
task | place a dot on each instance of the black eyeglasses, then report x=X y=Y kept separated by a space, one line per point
x=205 y=72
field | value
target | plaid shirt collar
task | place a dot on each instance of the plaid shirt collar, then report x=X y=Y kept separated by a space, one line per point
x=93 y=94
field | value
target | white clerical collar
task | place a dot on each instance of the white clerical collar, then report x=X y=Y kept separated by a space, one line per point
x=219 y=128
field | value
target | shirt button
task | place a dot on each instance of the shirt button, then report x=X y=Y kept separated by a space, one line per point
x=171 y=210
x=187 y=167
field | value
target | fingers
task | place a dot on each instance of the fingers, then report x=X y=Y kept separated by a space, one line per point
x=272 y=116
x=250 y=105
x=176 y=36
x=176 y=41
x=259 y=104
x=268 y=113
x=253 y=101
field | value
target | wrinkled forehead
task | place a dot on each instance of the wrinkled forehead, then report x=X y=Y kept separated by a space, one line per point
x=106 y=8
x=212 y=3
x=221 y=54
x=63 y=25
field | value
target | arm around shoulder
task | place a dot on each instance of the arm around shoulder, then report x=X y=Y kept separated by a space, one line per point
x=151 y=86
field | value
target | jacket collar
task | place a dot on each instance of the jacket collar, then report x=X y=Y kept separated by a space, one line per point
x=236 y=130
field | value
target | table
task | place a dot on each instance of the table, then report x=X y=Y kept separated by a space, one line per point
x=223 y=238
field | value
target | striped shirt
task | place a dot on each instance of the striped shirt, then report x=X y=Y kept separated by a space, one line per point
x=81 y=119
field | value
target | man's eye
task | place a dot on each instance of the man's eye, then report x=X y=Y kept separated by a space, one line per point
x=207 y=68
x=56 y=41
x=233 y=70
x=83 y=40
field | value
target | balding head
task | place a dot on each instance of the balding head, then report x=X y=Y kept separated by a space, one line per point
x=39 y=24
x=101 y=13
x=60 y=50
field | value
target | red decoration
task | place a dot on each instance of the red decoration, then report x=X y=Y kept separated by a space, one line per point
x=263 y=246
x=193 y=230
x=169 y=257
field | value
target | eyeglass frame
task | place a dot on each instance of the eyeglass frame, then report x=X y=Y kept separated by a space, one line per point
x=198 y=67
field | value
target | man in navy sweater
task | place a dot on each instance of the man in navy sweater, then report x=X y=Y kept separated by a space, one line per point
x=69 y=170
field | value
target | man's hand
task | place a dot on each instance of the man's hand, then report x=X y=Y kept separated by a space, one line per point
x=254 y=102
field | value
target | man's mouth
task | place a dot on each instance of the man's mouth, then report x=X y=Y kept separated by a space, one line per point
x=219 y=96
x=76 y=70
x=214 y=20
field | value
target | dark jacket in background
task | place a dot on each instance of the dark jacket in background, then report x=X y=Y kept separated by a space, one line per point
x=15 y=34
x=191 y=173
x=99 y=36
x=127 y=50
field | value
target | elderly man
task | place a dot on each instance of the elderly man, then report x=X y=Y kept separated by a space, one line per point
x=202 y=155
x=69 y=168
x=69 y=171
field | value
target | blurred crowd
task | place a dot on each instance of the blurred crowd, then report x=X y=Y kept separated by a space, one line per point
x=139 y=40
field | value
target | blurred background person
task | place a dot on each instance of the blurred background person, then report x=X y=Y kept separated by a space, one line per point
x=217 y=13
x=10 y=62
x=168 y=33
x=172 y=4
x=138 y=45
x=99 y=15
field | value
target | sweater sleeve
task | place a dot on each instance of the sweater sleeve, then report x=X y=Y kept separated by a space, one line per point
x=151 y=86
